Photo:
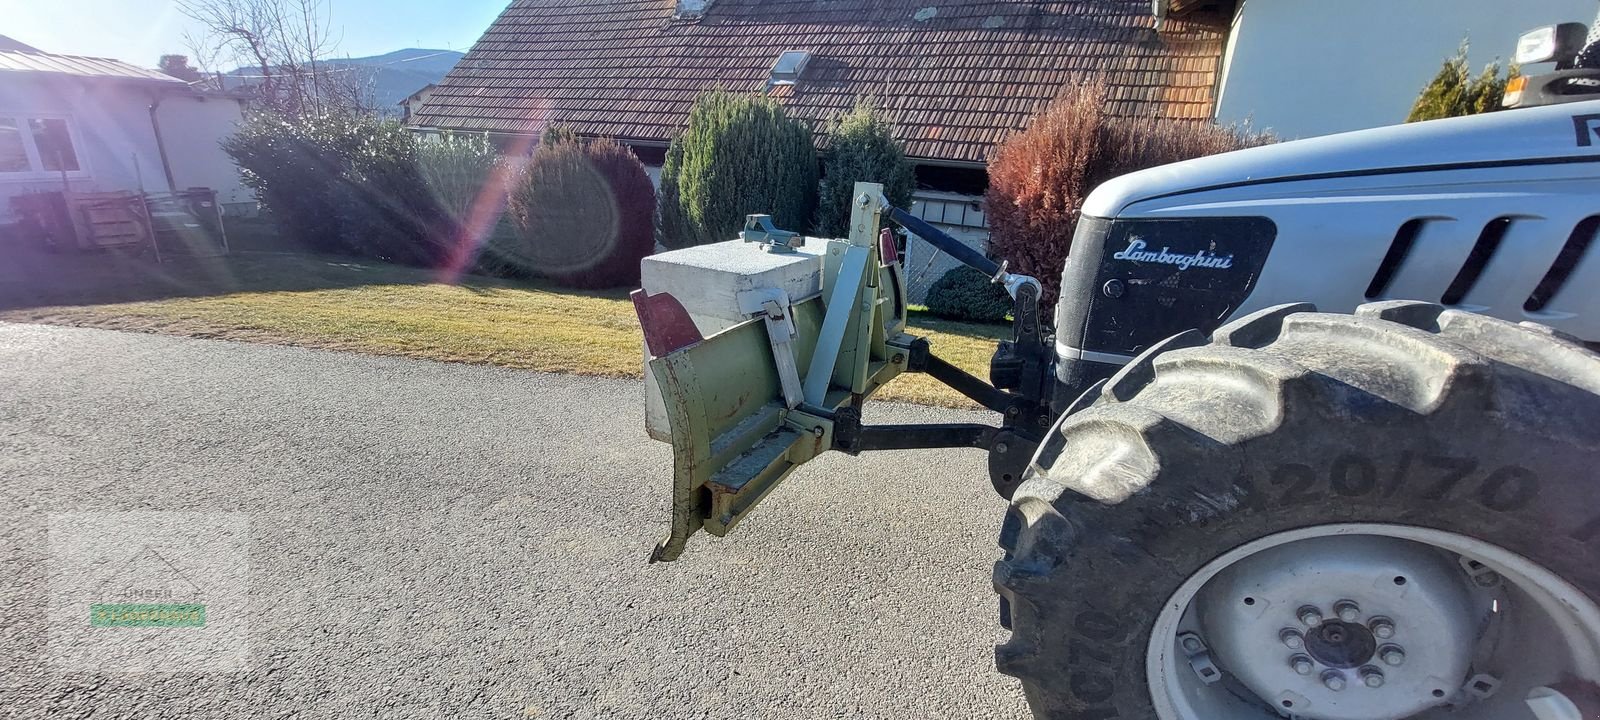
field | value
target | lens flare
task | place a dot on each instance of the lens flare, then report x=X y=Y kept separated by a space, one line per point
x=484 y=213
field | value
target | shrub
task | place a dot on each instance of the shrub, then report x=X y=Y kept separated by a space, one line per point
x=294 y=166
x=582 y=212
x=557 y=134
x=966 y=294
x=1454 y=92
x=468 y=182
x=342 y=184
x=387 y=210
x=457 y=170
x=738 y=155
x=1039 y=177
x=861 y=148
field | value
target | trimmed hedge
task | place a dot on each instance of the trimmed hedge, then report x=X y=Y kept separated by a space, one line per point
x=344 y=184
x=738 y=155
x=582 y=213
x=1040 y=177
x=861 y=148
x=458 y=169
x=966 y=294
x=467 y=177
x=578 y=213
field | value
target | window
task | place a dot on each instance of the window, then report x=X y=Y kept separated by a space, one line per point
x=13 y=156
x=790 y=66
x=55 y=144
x=35 y=145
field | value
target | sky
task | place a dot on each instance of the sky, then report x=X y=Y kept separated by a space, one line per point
x=140 y=31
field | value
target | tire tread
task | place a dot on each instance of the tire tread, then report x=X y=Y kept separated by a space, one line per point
x=1186 y=401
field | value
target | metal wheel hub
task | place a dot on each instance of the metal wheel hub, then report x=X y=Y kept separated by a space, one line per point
x=1340 y=644
x=1370 y=622
x=1266 y=615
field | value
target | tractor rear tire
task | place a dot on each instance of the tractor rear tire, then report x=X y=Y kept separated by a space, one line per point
x=1405 y=415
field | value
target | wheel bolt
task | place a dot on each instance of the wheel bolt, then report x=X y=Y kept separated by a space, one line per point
x=1382 y=628
x=1372 y=676
x=1347 y=610
x=1310 y=616
x=1191 y=644
x=1333 y=680
x=1292 y=638
x=1392 y=655
x=1301 y=664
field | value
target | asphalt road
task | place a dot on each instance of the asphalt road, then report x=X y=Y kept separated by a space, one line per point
x=430 y=540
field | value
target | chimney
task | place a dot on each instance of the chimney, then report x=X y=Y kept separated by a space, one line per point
x=692 y=9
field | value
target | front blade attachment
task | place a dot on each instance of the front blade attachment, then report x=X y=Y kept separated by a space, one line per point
x=732 y=435
x=740 y=414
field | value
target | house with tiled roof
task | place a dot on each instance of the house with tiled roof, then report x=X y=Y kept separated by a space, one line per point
x=957 y=76
x=954 y=76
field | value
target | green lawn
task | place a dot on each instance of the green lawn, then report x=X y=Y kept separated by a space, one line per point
x=341 y=304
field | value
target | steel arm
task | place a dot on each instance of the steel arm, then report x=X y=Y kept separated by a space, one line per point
x=951 y=246
x=852 y=437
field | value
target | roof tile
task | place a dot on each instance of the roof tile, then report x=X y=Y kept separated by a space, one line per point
x=954 y=85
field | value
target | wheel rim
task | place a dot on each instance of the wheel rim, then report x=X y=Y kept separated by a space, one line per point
x=1371 y=621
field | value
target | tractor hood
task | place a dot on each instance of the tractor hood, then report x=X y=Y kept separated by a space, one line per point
x=1551 y=134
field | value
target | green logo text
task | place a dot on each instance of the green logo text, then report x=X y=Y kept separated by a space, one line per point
x=142 y=615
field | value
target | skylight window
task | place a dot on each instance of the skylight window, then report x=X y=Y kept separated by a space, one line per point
x=789 y=67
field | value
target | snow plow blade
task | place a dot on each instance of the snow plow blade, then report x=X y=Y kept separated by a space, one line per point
x=801 y=328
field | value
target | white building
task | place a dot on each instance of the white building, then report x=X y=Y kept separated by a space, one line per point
x=97 y=125
x=1313 y=67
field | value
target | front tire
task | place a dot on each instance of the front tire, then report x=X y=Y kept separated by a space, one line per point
x=1458 y=450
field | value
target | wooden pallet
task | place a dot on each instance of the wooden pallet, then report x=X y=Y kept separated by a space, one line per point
x=110 y=219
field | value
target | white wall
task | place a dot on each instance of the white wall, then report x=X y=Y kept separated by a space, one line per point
x=193 y=129
x=111 y=124
x=115 y=142
x=1311 y=67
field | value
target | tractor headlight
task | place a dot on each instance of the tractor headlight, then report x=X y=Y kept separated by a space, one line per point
x=1551 y=43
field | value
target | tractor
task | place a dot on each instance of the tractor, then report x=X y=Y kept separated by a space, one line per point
x=1313 y=431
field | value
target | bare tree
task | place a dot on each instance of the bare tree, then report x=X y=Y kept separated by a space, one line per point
x=284 y=43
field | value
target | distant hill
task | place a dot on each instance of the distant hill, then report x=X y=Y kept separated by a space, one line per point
x=391 y=77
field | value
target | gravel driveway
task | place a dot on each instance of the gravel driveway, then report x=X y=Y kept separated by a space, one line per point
x=422 y=540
